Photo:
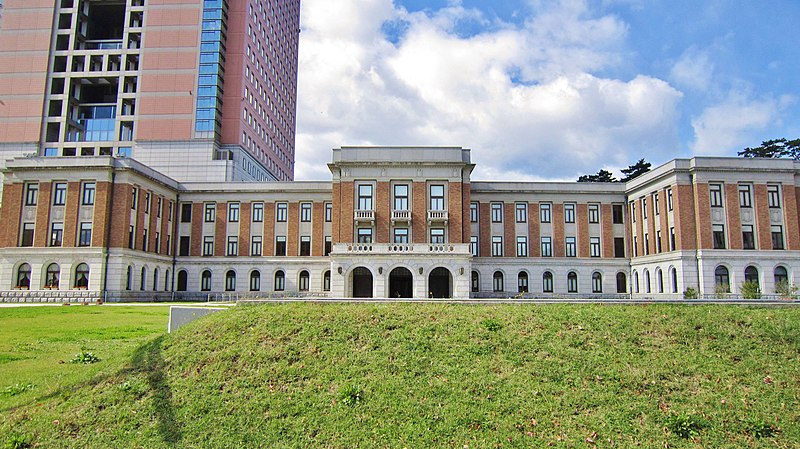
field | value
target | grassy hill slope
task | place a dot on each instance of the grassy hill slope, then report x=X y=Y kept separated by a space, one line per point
x=427 y=376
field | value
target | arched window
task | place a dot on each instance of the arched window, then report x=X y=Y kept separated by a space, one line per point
x=24 y=276
x=81 y=276
x=497 y=281
x=522 y=282
x=326 y=281
x=547 y=282
x=635 y=282
x=646 y=274
x=280 y=281
x=255 y=281
x=751 y=274
x=475 y=284
x=659 y=280
x=143 y=280
x=205 y=281
x=572 y=282
x=597 y=282
x=622 y=283
x=166 y=280
x=183 y=280
x=673 y=274
x=781 y=276
x=230 y=281
x=722 y=279
x=129 y=278
x=155 y=279
x=303 y=281
x=53 y=276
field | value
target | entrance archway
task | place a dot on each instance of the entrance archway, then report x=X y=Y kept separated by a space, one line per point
x=362 y=283
x=401 y=283
x=440 y=283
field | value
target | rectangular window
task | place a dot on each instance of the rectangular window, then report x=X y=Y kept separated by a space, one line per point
x=186 y=213
x=157 y=242
x=305 y=212
x=208 y=246
x=569 y=246
x=655 y=203
x=473 y=246
x=401 y=197
x=715 y=191
x=328 y=245
x=672 y=239
x=473 y=212
x=210 y=212
x=646 y=244
x=401 y=235
x=184 y=245
x=27 y=234
x=777 y=236
x=635 y=246
x=131 y=236
x=233 y=212
x=594 y=246
x=305 y=245
x=658 y=241
x=633 y=211
x=569 y=213
x=497 y=246
x=521 y=212
x=147 y=202
x=256 y=245
x=594 y=213
x=144 y=240
x=522 y=246
x=258 y=212
x=437 y=235
x=281 y=212
x=328 y=212
x=159 y=205
x=85 y=236
x=437 y=197
x=169 y=213
x=744 y=196
x=774 y=196
x=169 y=245
x=616 y=214
x=718 y=232
x=497 y=212
x=233 y=246
x=547 y=282
x=748 y=237
x=59 y=194
x=365 y=197
x=280 y=245
x=669 y=199
x=619 y=247
x=31 y=194
x=364 y=235
x=56 y=234
x=134 y=197
x=547 y=247
x=544 y=212
x=644 y=208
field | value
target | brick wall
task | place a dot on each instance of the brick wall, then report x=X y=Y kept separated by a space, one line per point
x=558 y=230
x=762 y=217
x=318 y=228
x=42 y=234
x=336 y=191
x=153 y=225
x=607 y=231
x=71 y=214
x=293 y=229
x=790 y=213
x=455 y=212
x=382 y=212
x=165 y=227
x=11 y=214
x=197 y=229
x=347 y=212
x=244 y=229
x=419 y=213
x=120 y=215
x=268 y=241
x=534 y=234
x=734 y=216
x=684 y=213
x=465 y=224
x=140 y=219
x=509 y=231
x=662 y=206
x=485 y=230
x=651 y=225
x=583 y=230
x=703 y=216
x=102 y=213
x=220 y=229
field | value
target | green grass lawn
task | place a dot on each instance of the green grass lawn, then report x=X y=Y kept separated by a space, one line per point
x=406 y=376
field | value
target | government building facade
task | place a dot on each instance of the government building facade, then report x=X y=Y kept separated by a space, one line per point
x=394 y=222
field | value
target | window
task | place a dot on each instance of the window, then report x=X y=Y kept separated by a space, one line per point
x=205 y=281
x=303 y=281
x=230 y=281
x=572 y=282
x=777 y=236
x=328 y=245
x=27 y=234
x=305 y=245
x=619 y=247
x=208 y=245
x=183 y=281
x=85 y=236
x=328 y=212
x=715 y=191
x=544 y=212
x=437 y=197
x=258 y=212
x=646 y=275
x=569 y=247
x=401 y=235
x=305 y=212
x=522 y=246
x=280 y=281
x=597 y=283
x=23 y=276
x=281 y=212
x=594 y=213
x=210 y=212
x=326 y=281
x=658 y=241
x=497 y=281
x=594 y=246
x=81 y=276
x=781 y=276
x=155 y=279
x=401 y=197
x=569 y=213
x=547 y=247
x=255 y=281
x=87 y=194
x=186 y=213
x=659 y=280
x=751 y=274
x=718 y=232
x=633 y=211
x=233 y=246
x=183 y=245
x=774 y=196
x=56 y=234
x=622 y=283
x=365 y=197
x=547 y=282
x=672 y=239
x=673 y=274
x=644 y=208
x=744 y=196
x=134 y=197
x=31 y=194
x=475 y=283
x=437 y=235
x=522 y=282
x=255 y=245
x=497 y=212
x=646 y=243
x=497 y=246
x=145 y=242
x=655 y=203
x=748 y=237
x=669 y=199
x=616 y=214
x=280 y=245
x=147 y=202
x=635 y=246
x=60 y=194
x=364 y=235
x=722 y=279
x=473 y=212
x=131 y=236
x=521 y=212
x=233 y=212
x=473 y=246
x=159 y=205
x=52 y=276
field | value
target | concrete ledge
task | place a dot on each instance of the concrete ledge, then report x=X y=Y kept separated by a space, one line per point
x=182 y=315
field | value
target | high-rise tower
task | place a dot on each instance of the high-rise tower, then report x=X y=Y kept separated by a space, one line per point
x=196 y=89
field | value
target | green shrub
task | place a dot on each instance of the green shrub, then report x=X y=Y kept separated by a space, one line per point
x=85 y=358
x=760 y=428
x=721 y=291
x=786 y=290
x=351 y=395
x=16 y=440
x=686 y=426
x=750 y=290
x=690 y=293
x=491 y=324
x=13 y=390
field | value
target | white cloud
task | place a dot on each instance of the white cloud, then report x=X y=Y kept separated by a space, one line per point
x=524 y=98
x=693 y=69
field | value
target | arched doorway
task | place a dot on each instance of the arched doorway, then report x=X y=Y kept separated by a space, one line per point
x=439 y=283
x=401 y=283
x=362 y=283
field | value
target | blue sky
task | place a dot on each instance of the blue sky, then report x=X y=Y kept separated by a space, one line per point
x=546 y=89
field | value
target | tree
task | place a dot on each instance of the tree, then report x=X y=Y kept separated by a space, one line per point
x=601 y=176
x=635 y=170
x=774 y=148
